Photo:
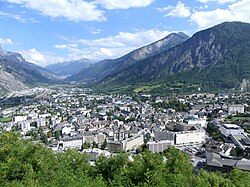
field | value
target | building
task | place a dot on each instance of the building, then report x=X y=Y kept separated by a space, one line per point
x=41 y=122
x=196 y=136
x=132 y=143
x=234 y=109
x=157 y=147
x=183 y=134
x=71 y=142
x=241 y=140
x=125 y=145
x=215 y=162
x=230 y=129
x=195 y=120
x=183 y=126
x=163 y=135
x=24 y=125
x=19 y=118
x=90 y=137
x=67 y=129
x=95 y=153
x=114 y=146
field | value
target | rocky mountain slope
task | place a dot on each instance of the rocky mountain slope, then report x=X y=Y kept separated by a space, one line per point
x=106 y=68
x=214 y=59
x=17 y=74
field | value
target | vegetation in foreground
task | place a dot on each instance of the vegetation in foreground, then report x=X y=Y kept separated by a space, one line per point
x=23 y=163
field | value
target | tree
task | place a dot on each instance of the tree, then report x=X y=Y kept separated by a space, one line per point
x=94 y=145
x=104 y=144
x=57 y=135
x=85 y=145
x=23 y=163
x=49 y=134
x=147 y=137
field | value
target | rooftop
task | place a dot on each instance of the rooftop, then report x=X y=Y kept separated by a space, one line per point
x=231 y=126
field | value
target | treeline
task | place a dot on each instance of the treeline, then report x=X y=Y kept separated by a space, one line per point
x=23 y=163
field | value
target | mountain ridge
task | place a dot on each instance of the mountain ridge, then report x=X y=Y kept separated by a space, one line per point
x=17 y=74
x=70 y=67
x=107 y=67
x=207 y=60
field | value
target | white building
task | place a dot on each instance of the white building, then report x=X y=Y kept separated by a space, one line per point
x=132 y=143
x=41 y=122
x=234 y=109
x=160 y=146
x=228 y=129
x=24 y=125
x=44 y=115
x=19 y=118
x=95 y=153
x=71 y=142
x=195 y=120
x=94 y=137
x=67 y=129
x=187 y=134
x=190 y=137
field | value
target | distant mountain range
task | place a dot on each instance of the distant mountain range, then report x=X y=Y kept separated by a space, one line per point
x=214 y=59
x=17 y=74
x=69 y=68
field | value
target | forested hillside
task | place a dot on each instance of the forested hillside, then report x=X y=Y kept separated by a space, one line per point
x=23 y=163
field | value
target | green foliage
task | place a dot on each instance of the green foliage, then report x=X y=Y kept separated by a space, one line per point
x=214 y=132
x=86 y=145
x=174 y=104
x=57 y=135
x=5 y=120
x=104 y=144
x=23 y=163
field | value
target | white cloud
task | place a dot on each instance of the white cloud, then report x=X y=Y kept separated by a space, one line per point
x=40 y=58
x=123 y=4
x=5 y=41
x=112 y=46
x=73 y=10
x=66 y=46
x=238 y=11
x=93 y=30
x=180 y=10
x=217 y=1
x=17 y=17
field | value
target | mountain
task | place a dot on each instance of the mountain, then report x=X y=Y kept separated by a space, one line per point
x=214 y=59
x=69 y=68
x=17 y=74
x=106 y=68
x=25 y=71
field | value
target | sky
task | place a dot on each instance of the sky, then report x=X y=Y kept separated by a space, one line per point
x=50 y=31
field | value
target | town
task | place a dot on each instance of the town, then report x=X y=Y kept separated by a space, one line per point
x=213 y=129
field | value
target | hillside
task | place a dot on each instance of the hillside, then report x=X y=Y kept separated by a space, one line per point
x=24 y=163
x=69 y=68
x=106 y=68
x=17 y=74
x=214 y=59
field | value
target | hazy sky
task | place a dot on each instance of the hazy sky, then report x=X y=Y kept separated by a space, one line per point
x=48 y=31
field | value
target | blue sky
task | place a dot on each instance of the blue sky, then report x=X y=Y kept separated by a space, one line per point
x=49 y=31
